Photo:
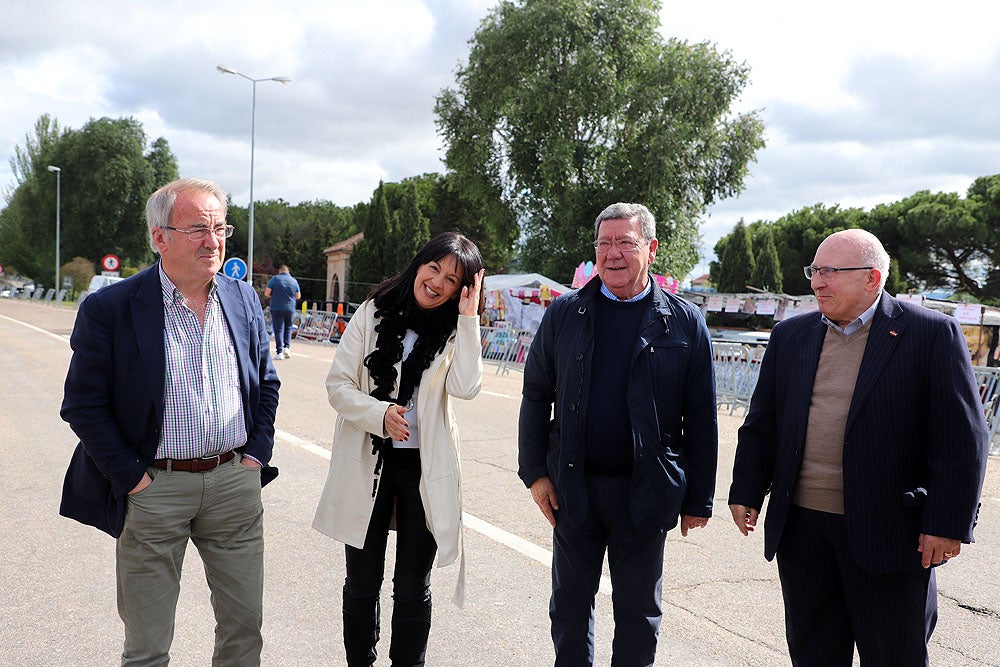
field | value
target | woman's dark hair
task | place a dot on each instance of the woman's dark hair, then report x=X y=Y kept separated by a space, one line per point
x=397 y=310
x=397 y=292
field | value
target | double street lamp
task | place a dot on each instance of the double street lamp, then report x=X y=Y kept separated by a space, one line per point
x=253 y=113
x=58 y=188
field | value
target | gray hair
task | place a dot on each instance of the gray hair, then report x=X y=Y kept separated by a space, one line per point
x=623 y=211
x=160 y=205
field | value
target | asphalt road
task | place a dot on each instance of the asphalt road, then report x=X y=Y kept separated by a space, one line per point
x=722 y=602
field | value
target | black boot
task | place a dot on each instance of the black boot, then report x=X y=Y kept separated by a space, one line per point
x=411 y=624
x=360 y=630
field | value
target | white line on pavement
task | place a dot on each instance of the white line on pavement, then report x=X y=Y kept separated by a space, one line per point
x=63 y=338
x=515 y=542
x=493 y=393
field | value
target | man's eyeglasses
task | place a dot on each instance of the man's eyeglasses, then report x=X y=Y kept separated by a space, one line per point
x=199 y=234
x=625 y=246
x=827 y=271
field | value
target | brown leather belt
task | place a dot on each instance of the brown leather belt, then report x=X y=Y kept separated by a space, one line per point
x=194 y=465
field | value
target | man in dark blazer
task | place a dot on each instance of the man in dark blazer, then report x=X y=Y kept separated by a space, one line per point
x=867 y=430
x=617 y=438
x=172 y=393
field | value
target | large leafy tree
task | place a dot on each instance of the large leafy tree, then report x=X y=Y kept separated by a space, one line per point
x=566 y=106
x=105 y=180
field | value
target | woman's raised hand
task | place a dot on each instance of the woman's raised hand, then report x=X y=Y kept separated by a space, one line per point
x=468 y=304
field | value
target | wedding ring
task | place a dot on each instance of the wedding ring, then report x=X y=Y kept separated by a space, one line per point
x=948 y=554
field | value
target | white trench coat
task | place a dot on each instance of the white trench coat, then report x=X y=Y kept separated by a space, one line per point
x=345 y=506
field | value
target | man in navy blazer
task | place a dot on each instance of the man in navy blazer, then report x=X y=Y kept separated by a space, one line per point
x=173 y=395
x=867 y=430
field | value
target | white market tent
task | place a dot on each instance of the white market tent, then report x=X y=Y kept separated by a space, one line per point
x=515 y=280
x=520 y=312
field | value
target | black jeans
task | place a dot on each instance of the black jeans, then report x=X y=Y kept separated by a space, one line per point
x=636 y=564
x=399 y=490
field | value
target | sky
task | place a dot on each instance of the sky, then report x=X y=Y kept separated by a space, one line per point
x=864 y=102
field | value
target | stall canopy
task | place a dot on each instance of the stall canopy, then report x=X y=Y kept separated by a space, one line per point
x=526 y=280
x=519 y=299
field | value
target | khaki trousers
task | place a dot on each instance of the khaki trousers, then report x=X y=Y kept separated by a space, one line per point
x=221 y=512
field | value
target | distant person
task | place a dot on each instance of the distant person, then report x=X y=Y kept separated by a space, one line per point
x=283 y=291
x=172 y=393
x=632 y=444
x=867 y=430
x=395 y=447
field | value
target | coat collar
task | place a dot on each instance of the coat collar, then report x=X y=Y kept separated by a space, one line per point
x=887 y=330
x=661 y=304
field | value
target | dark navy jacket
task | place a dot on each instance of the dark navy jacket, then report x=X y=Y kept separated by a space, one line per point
x=915 y=441
x=114 y=392
x=671 y=398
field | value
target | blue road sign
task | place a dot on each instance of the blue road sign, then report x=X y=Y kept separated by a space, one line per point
x=235 y=268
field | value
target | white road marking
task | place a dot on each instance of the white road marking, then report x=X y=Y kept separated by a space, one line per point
x=508 y=539
x=63 y=338
x=493 y=393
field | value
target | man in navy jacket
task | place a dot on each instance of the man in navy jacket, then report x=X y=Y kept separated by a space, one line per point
x=633 y=445
x=173 y=395
x=867 y=429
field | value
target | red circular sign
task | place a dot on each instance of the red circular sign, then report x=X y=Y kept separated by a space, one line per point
x=110 y=263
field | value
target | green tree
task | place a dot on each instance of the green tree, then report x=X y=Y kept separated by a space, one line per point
x=736 y=262
x=163 y=162
x=373 y=258
x=566 y=106
x=767 y=269
x=895 y=283
x=411 y=230
x=80 y=270
x=27 y=222
x=105 y=180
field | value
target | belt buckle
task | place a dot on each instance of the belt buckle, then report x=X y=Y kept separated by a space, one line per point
x=207 y=462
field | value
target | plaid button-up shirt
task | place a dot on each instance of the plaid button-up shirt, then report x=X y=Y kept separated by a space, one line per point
x=203 y=407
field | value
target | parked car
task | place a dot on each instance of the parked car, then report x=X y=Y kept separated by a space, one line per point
x=100 y=282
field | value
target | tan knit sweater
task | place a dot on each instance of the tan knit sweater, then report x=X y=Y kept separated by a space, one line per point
x=821 y=481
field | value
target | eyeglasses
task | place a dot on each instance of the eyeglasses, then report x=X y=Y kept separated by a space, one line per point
x=199 y=234
x=625 y=246
x=827 y=271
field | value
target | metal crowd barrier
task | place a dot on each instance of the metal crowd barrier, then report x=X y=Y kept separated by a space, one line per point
x=506 y=346
x=989 y=391
x=737 y=367
x=314 y=325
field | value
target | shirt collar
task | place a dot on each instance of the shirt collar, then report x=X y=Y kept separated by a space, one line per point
x=173 y=295
x=606 y=292
x=857 y=322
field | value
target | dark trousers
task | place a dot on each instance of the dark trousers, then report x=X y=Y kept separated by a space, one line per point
x=399 y=490
x=831 y=603
x=636 y=563
x=281 y=322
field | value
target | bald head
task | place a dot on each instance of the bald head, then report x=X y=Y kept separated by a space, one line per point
x=863 y=246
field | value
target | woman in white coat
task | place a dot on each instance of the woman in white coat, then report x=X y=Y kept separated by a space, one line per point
x=411 y=346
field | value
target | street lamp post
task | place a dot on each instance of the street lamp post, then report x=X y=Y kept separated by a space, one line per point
x=58 y=189
x=253 y=119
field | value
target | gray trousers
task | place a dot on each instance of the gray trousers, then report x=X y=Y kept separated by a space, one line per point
x=221 y=512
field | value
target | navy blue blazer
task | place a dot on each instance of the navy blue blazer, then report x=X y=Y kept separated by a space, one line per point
x=915 y=442
x=114 y=392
